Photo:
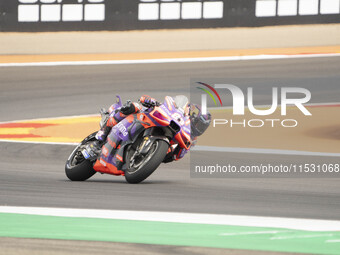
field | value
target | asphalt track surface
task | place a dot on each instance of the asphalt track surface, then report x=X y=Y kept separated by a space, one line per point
x=33 y=174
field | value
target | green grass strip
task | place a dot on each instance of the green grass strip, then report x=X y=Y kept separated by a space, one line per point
x=164 y=233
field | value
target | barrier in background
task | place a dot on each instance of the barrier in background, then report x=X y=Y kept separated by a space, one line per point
x=94 y=15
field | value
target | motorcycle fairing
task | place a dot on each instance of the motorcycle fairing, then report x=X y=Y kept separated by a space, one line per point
x=112 y=159
x=124 y=133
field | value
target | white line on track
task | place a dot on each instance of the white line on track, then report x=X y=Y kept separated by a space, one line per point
x=333 y=241
x=254 y=233
x=175 y=217
x=169 y=60
x=299 y=236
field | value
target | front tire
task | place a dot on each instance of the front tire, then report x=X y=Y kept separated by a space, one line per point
x=138 y=175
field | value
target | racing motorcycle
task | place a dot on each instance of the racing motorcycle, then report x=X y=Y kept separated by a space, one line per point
x=143 y=141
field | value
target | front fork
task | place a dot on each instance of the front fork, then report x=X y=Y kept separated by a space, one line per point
x=145 y=145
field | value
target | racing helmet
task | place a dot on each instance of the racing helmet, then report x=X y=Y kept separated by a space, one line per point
x=199 y=122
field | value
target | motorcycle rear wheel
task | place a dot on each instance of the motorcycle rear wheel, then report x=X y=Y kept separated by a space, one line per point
x=79 y=170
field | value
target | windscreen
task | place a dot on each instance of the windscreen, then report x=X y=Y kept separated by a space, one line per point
x=182 y=102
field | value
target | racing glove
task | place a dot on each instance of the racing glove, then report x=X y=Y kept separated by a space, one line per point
x=148 y=101
x=129 y=108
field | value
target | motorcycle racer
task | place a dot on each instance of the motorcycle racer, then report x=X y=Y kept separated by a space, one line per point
x=116 y=115
x=197 y=122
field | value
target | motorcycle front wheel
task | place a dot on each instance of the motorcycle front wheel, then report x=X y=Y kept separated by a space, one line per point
x=141 y=168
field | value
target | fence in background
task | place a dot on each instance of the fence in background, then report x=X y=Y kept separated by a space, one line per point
x=94 y=15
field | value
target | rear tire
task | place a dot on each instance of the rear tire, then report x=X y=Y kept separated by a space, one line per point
x=83 y=170
x=80 y=172
x=150 y=166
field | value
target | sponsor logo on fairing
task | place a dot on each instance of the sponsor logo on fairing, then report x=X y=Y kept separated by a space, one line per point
x=122 y=129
